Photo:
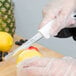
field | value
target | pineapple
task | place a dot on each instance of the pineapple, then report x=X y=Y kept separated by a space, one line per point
x=7 y=20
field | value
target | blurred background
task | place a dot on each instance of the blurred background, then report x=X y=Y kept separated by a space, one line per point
x=28 y=15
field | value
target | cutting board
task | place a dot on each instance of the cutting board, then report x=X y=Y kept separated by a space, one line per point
x=8 y=68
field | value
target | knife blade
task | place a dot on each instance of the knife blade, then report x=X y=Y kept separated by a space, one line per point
x=16 y=52
x=43 y=32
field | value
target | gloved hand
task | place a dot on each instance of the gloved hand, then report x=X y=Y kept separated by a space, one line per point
x=60 y=11
x=48 y=67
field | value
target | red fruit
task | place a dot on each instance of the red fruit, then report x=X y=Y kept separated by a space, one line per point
x=32 y=47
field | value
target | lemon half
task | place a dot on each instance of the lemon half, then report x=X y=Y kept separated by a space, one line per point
x=26 y=54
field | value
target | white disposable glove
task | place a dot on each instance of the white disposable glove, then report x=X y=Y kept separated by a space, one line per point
x=48 y=67
x=61 y=11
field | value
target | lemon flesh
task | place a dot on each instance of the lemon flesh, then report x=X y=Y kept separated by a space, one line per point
x=26 y=54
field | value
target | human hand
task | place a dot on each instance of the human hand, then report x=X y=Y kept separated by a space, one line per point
x=60 y=11
x=48 y=67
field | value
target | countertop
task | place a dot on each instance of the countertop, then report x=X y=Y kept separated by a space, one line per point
x=8 y=68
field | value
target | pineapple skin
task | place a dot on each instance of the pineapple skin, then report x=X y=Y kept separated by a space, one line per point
x=7 y=19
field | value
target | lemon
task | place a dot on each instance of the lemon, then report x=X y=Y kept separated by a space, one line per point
x=26 y=54
x=6 y=41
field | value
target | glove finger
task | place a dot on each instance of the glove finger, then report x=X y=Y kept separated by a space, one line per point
x=69 y=59
x=32 y=71
x=50 y=15
x=45 y=21
x=41 y=62
x=57 y=68
x=27 y=61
